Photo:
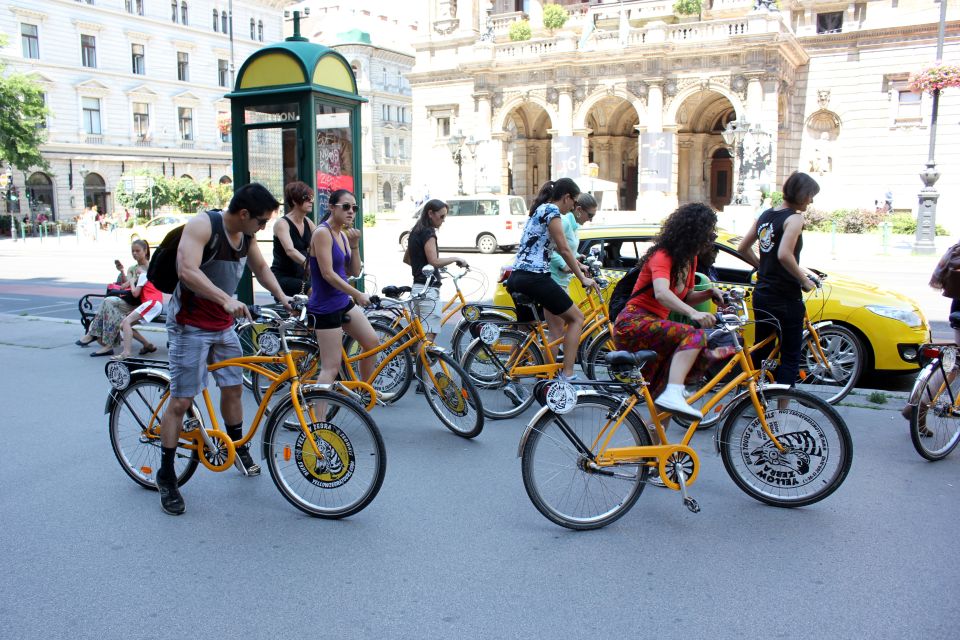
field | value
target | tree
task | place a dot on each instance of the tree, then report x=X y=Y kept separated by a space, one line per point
x=519 y=30
x=22 y=119
x=554 y=16
x=155 y=194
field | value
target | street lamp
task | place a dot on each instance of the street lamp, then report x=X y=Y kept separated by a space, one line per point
x=455 y=144
x=927 y=210
x=733 y=136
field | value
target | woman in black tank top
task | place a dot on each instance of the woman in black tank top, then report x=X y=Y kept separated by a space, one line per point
x=291 y=239
x=778 y=298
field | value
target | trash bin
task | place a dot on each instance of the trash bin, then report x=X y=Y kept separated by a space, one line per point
x=701 y=283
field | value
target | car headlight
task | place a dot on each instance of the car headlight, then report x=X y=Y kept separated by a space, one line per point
x=906 y=316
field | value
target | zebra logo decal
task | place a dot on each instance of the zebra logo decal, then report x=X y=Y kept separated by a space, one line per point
x=805 y=449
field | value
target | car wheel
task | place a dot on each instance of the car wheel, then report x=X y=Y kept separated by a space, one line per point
x=404 y=237
x=486 y=243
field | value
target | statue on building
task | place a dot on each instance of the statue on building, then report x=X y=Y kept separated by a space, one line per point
x=769 y=5
x=822 y=161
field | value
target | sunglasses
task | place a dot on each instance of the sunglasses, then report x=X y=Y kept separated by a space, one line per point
x=347 y=207
x=262 y=222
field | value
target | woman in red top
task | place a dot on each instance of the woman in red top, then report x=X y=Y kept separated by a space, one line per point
x=665 y=284
x=151 y=303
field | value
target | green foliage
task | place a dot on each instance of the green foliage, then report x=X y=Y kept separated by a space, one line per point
x=904 y=224
x=188 y=195
x=185 y=194
x=877 y=397
x=861 y=221
x=776 y=198
x=520 y=30
x=687 y=7
x=369 y=219
x=554 y=16
x=22 y=116
x=160 y=194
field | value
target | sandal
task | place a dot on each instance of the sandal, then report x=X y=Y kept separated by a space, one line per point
x=119 y=357
x=148 y=349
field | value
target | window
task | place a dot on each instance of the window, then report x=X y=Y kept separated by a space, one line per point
x=91 y=116
x=260 y=30
x=216 y=20
x=30 y=36
x=253 y=29
x=402 y=152
x=224 y=27
x=134 y=6
x=223 y=116
x=443 y=127
x=387 y=150
x=183 y=66
x=908 y=106
x=830 y=22
x=383 y=112
x=138 y=59
x=185 y=118
x=183 y=13
x=141 y=119
x=173 y=10
x=223 y=73
x=88 y=51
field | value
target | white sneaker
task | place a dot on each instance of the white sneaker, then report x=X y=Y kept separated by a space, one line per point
x=674 y=403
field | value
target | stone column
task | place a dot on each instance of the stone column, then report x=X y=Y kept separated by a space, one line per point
x=565 y=111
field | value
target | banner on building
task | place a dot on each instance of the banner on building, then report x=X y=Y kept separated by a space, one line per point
x=566 y=154
x=656 y=161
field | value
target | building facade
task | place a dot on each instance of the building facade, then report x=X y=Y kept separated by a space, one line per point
x=131 y=85
x=643 y=97
x=375 y=37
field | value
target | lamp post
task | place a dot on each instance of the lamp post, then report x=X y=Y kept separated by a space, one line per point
x=927 y=210
x=455 y=143
x=733 y=135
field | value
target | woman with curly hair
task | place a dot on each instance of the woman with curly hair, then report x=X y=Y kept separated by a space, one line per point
x=666 y=283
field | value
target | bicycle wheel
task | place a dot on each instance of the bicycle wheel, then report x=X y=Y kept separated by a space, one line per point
x=451 y=395
x=935 y=421
x=711 y=418
x=833 y=378
x=817 y=449
x=596 y=367
x=135 y=438
x=586 y=341
x=394 y=380
x=502 y=395
x=461 y=337
x=354 y=461
x=308 y=365
x=558 y=482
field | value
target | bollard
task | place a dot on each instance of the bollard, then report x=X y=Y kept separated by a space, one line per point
x=833 y=237
x=58 y=233
x=885 y=236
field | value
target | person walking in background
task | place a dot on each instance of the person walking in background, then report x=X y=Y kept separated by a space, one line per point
x=291 y=239
x=422 y=250
x=542 y=234
x=666 y=283
x=781 y=281
x=583 y=212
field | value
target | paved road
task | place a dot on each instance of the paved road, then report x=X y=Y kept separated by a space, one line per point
x=451 y=548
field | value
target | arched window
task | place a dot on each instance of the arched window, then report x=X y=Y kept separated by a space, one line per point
x=253 y=29
x=387 y=196
x=224 y=27
x=216 y=20
x=260 y=30
x=40 y=195
x=173 y=10
x=400 y=191
x=225 y=180
x=186 y=176
x=183 y=13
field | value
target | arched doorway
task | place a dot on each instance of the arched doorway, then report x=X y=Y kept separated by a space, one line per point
x=721 y=178
x=528 y=149
x=387 y=196
x=95 y=192
x=39 y=193
x=225 y=180
x=613 y=146
x=700 y=120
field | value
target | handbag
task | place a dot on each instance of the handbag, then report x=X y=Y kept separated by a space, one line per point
x=946 y=275
x=116 y=291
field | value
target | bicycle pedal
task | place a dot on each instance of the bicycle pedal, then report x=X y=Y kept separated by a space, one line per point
x=691 y=504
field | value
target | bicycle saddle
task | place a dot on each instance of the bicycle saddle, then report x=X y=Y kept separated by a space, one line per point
x=626 y=358
x=522 y=298
x=395 y=292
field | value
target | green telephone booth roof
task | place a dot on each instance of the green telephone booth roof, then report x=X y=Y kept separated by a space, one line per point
x=294 y=65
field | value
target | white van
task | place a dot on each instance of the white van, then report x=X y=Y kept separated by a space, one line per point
x=485 y=222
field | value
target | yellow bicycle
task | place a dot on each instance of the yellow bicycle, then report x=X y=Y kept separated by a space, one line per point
x=327 y=466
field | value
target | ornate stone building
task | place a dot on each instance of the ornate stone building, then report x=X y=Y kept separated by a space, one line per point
x=645 y=96
x=131 y=85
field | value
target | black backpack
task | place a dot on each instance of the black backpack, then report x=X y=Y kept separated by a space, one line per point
x=162 y=270
x=623 y=292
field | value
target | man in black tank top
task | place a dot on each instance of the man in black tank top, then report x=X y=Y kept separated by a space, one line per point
x=778 y=299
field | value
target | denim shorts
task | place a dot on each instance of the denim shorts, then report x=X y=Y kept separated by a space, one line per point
x=191 y=349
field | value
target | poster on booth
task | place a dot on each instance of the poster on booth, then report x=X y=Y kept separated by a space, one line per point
x=334 y=157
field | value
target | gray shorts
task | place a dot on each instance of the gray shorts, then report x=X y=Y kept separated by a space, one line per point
x=428 y=308
x=191 y=349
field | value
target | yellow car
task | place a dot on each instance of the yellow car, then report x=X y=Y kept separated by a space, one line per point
x=887 y=327
x=155 y=230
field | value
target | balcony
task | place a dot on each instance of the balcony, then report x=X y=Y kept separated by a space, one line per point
x=187 y=144
x=142 y=141
x=92 y=138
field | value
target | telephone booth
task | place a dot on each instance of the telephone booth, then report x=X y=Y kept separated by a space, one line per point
x=295 y=115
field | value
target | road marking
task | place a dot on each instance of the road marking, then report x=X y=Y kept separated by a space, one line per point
x=8 y=298
x=49 y=306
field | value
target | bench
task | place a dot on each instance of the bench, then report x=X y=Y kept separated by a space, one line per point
x=90 y=304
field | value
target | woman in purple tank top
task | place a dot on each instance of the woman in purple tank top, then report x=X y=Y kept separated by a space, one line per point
x=335 y=254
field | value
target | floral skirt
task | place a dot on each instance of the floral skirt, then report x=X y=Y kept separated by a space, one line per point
x=106 y=324
x=638 y=329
